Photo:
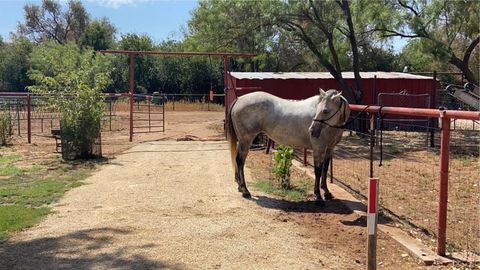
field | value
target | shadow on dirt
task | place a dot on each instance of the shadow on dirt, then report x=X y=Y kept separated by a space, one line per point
x=87 y=249
x=334 y=206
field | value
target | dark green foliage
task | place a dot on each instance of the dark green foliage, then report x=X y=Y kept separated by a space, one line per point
x=99 y=35
x=14 y=65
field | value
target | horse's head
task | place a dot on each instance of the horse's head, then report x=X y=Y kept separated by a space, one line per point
x=332 y=110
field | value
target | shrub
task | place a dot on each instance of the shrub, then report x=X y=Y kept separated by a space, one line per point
x=5 y=128
x=73 y=79
x=283 y=161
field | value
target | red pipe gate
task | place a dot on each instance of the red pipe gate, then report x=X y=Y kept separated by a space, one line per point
x=132 y=54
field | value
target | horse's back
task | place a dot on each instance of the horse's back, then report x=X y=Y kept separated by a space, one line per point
x=285 y=121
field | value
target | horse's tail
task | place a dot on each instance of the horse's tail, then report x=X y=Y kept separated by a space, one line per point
x=232 y=137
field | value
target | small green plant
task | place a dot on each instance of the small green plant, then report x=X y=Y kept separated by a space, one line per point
x=5 y=128
x=281 y=169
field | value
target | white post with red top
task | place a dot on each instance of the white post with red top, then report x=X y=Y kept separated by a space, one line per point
x=372 y=218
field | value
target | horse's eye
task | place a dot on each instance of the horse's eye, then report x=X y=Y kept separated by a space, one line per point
x=325 y=111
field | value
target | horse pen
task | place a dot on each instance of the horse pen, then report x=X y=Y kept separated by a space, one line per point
x=408 y=181
x=411 y=181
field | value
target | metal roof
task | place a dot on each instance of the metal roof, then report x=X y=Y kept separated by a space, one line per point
x=323 y=75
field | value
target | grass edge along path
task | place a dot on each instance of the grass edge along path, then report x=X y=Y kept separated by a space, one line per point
x=26 y=191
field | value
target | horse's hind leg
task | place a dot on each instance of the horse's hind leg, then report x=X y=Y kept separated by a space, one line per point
x=326 y=162
x=240 y=160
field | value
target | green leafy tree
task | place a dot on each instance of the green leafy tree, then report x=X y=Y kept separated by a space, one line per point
x=99 y=35
x=377 y=58
x=287 y=35
x=50 y=22
x=447 y=30
x=146 y=73
x=74 y=81
x=245 y=26
x=182 y=74
x=327 y=30
x=14 y=65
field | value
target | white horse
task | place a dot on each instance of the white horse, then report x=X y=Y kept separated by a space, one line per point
x=315 y=123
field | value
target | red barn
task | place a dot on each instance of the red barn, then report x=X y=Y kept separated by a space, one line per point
x=301 y=85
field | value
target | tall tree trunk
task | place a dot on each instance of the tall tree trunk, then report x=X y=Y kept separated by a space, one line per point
x=358 y=92
x=463 y=64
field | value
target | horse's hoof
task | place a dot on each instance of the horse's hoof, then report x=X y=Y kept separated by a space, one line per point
x=328 y=196
x=246 y=195
x=320 y=203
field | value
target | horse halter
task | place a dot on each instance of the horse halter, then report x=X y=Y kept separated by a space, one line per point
x=324 y=121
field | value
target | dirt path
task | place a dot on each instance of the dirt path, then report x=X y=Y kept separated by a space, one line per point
x=163 y=204
x=174 y=205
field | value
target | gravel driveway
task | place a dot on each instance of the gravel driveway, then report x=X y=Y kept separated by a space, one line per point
x=165 y=205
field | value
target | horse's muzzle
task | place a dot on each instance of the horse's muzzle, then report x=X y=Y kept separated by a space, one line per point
x=315 y=130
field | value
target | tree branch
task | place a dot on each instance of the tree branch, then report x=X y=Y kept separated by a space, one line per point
x=471 y=47
x=393 y=33
x=408 y=7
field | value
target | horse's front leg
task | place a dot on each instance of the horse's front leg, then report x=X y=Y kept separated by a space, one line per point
x=326 y=192
x=316 y=190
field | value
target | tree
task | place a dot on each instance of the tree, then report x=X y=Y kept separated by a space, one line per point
x=245 y=26
x=74 y=80
x=146 y=73
x=326 y=28
x=448 y=30
x=49 y=22
x=14 y=64
x=99 y=35
x=377 y=58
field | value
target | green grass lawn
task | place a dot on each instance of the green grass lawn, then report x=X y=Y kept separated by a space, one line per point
x=26 y=191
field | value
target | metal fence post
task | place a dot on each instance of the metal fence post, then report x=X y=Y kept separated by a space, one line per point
x=372 y=218
x=372 y=215
x=443 y=185
x=18 y=117
x=110 y=113
x=132 y=64
x=432 y=106
x=372 y=140
x=149 y=122
x=29 y=118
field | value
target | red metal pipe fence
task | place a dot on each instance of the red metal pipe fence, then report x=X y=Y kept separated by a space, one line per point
x=442 y=173
x=445 y=116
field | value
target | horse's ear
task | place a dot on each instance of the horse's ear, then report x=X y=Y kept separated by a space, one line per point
x=337 y=95
x=322 y=92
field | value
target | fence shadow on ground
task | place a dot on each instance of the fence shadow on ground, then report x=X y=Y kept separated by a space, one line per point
x=334 y=206
x=86 y=249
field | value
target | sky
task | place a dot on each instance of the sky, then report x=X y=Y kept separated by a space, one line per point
x=159 y=19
